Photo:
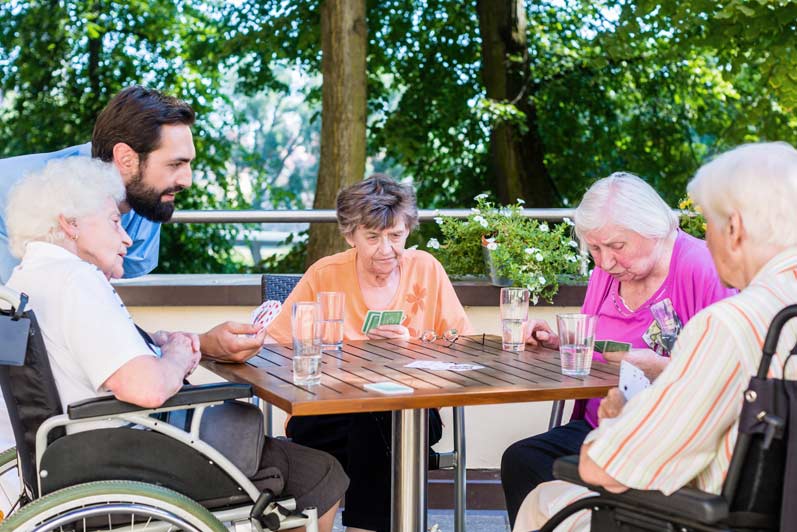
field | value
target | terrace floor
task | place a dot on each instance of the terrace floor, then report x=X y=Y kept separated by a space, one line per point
x=475 y=521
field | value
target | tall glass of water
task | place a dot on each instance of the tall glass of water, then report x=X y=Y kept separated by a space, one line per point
x=576 y=339
x=514 y=315
x=306 y=330
x=332 y=304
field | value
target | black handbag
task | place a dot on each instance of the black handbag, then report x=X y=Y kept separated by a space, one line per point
x=762 y=477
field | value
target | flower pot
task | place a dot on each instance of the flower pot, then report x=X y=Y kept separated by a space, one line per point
x=495 y=278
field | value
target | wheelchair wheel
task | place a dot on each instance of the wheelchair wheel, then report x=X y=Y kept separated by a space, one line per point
x=113 y=505
x=9 y=481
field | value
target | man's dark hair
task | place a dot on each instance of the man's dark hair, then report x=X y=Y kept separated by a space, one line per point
x=134 y=117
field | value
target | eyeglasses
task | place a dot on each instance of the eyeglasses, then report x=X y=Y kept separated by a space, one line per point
x=450 y=336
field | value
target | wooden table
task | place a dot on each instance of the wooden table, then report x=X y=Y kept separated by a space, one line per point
x=507 y=377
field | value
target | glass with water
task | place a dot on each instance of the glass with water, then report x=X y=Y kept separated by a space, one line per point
x=306 y=330
x=576 y=339
x=332 y=304
x=514 y=316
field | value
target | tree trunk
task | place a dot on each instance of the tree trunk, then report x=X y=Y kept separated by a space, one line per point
x=342 y=163
x=517 y=165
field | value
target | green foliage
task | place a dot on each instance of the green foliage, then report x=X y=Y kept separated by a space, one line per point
x=528 y=252
x=691 y=219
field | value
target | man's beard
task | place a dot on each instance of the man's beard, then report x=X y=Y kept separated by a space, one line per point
x=146 y=200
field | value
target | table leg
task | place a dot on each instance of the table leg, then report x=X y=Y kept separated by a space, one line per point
x=410 y=469
x=557 y=409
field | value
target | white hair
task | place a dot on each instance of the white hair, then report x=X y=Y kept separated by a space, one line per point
x=759 y=181
x=73 y=187
x=625 y=200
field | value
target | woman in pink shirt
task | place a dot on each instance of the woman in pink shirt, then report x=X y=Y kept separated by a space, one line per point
x=641 y=258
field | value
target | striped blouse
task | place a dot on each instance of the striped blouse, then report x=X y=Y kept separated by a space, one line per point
x=682 y=429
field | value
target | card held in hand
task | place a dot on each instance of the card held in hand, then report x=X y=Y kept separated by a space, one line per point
x=375 y=318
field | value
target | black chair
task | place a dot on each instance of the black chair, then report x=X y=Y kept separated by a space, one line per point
x=121 y=474
x=758 y=493
x=278 y=287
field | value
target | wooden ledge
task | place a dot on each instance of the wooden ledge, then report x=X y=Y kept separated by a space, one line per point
x=193 y=290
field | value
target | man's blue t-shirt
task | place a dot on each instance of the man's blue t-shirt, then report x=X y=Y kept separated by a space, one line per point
x=142 y=256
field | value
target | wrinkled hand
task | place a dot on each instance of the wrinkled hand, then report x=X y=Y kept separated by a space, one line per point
x=229 y=341
x=611 y=405
x=538 y=332
x=648 y=361
x=182 y=349
x=394 y=332
x=161 y=337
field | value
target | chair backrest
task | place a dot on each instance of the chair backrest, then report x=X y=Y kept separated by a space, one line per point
x=31 y=397
x=278 y=286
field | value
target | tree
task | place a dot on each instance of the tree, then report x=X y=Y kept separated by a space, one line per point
x=343 y=42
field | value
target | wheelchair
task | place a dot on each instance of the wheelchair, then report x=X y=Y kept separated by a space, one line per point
x=758 y=493
x=148 y=473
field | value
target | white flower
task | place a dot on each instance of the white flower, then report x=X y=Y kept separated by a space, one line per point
x=433 y=243
x=544 y=227
x=492 y=246
x=568 y=221
x=413 y=247
x=475 y=210
x=538 y=257
x=491 y=239
x=529 y=251
x=521 y=202
x=438 y=220
x=572 y=258
x=573 y=244
x=480 y=197
x=541 y=279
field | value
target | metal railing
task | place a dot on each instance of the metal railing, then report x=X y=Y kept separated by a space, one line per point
x=328 y=215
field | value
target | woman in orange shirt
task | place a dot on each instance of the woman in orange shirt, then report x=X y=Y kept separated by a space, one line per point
x=375 y=217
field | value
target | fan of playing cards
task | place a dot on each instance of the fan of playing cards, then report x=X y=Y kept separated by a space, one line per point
x=265 y=313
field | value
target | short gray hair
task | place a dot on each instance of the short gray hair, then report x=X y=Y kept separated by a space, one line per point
x=73 y=187
x=625 y=200
x=759 y=181
x=376 y=203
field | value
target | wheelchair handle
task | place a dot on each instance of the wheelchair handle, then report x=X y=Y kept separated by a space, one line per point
x=773 y=335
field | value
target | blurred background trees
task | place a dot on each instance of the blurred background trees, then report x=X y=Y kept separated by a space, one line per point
x=533 y=99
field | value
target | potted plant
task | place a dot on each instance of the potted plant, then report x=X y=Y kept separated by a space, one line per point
x=510 y=247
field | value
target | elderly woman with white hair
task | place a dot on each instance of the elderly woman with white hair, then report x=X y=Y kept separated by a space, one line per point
x=641 y=258
x=681 y=430
x=64 y=223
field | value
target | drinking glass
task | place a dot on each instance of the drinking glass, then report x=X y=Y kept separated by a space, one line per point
x=514 y=315
x=332 y=304
x=306 y=331
x=576 y=339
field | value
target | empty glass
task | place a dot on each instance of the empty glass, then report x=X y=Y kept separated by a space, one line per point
x=576 y=339
x=514 y=315
x=306 y=331
x=332 y=304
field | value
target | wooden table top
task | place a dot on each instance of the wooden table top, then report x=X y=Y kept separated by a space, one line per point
x=507 y=377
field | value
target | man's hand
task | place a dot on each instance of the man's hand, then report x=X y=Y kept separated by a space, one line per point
x=392 y=332
x=538 y=332
x=611 y=405
x=228 y=341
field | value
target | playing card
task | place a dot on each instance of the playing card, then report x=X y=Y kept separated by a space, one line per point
x=265 y=313
x=632 y=380
x=392 y=317
x=610 y=346
x=388 y=388
x=372 y=319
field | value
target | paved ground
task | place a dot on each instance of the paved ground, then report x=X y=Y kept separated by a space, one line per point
x=475 y=521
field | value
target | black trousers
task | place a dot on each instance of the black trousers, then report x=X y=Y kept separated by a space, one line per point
x=527 y=463
x=361 y=443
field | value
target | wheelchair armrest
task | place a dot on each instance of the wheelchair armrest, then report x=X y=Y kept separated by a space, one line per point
x=686 y=502
x=187 y=396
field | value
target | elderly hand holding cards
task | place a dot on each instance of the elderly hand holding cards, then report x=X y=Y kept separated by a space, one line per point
x=385 y=324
